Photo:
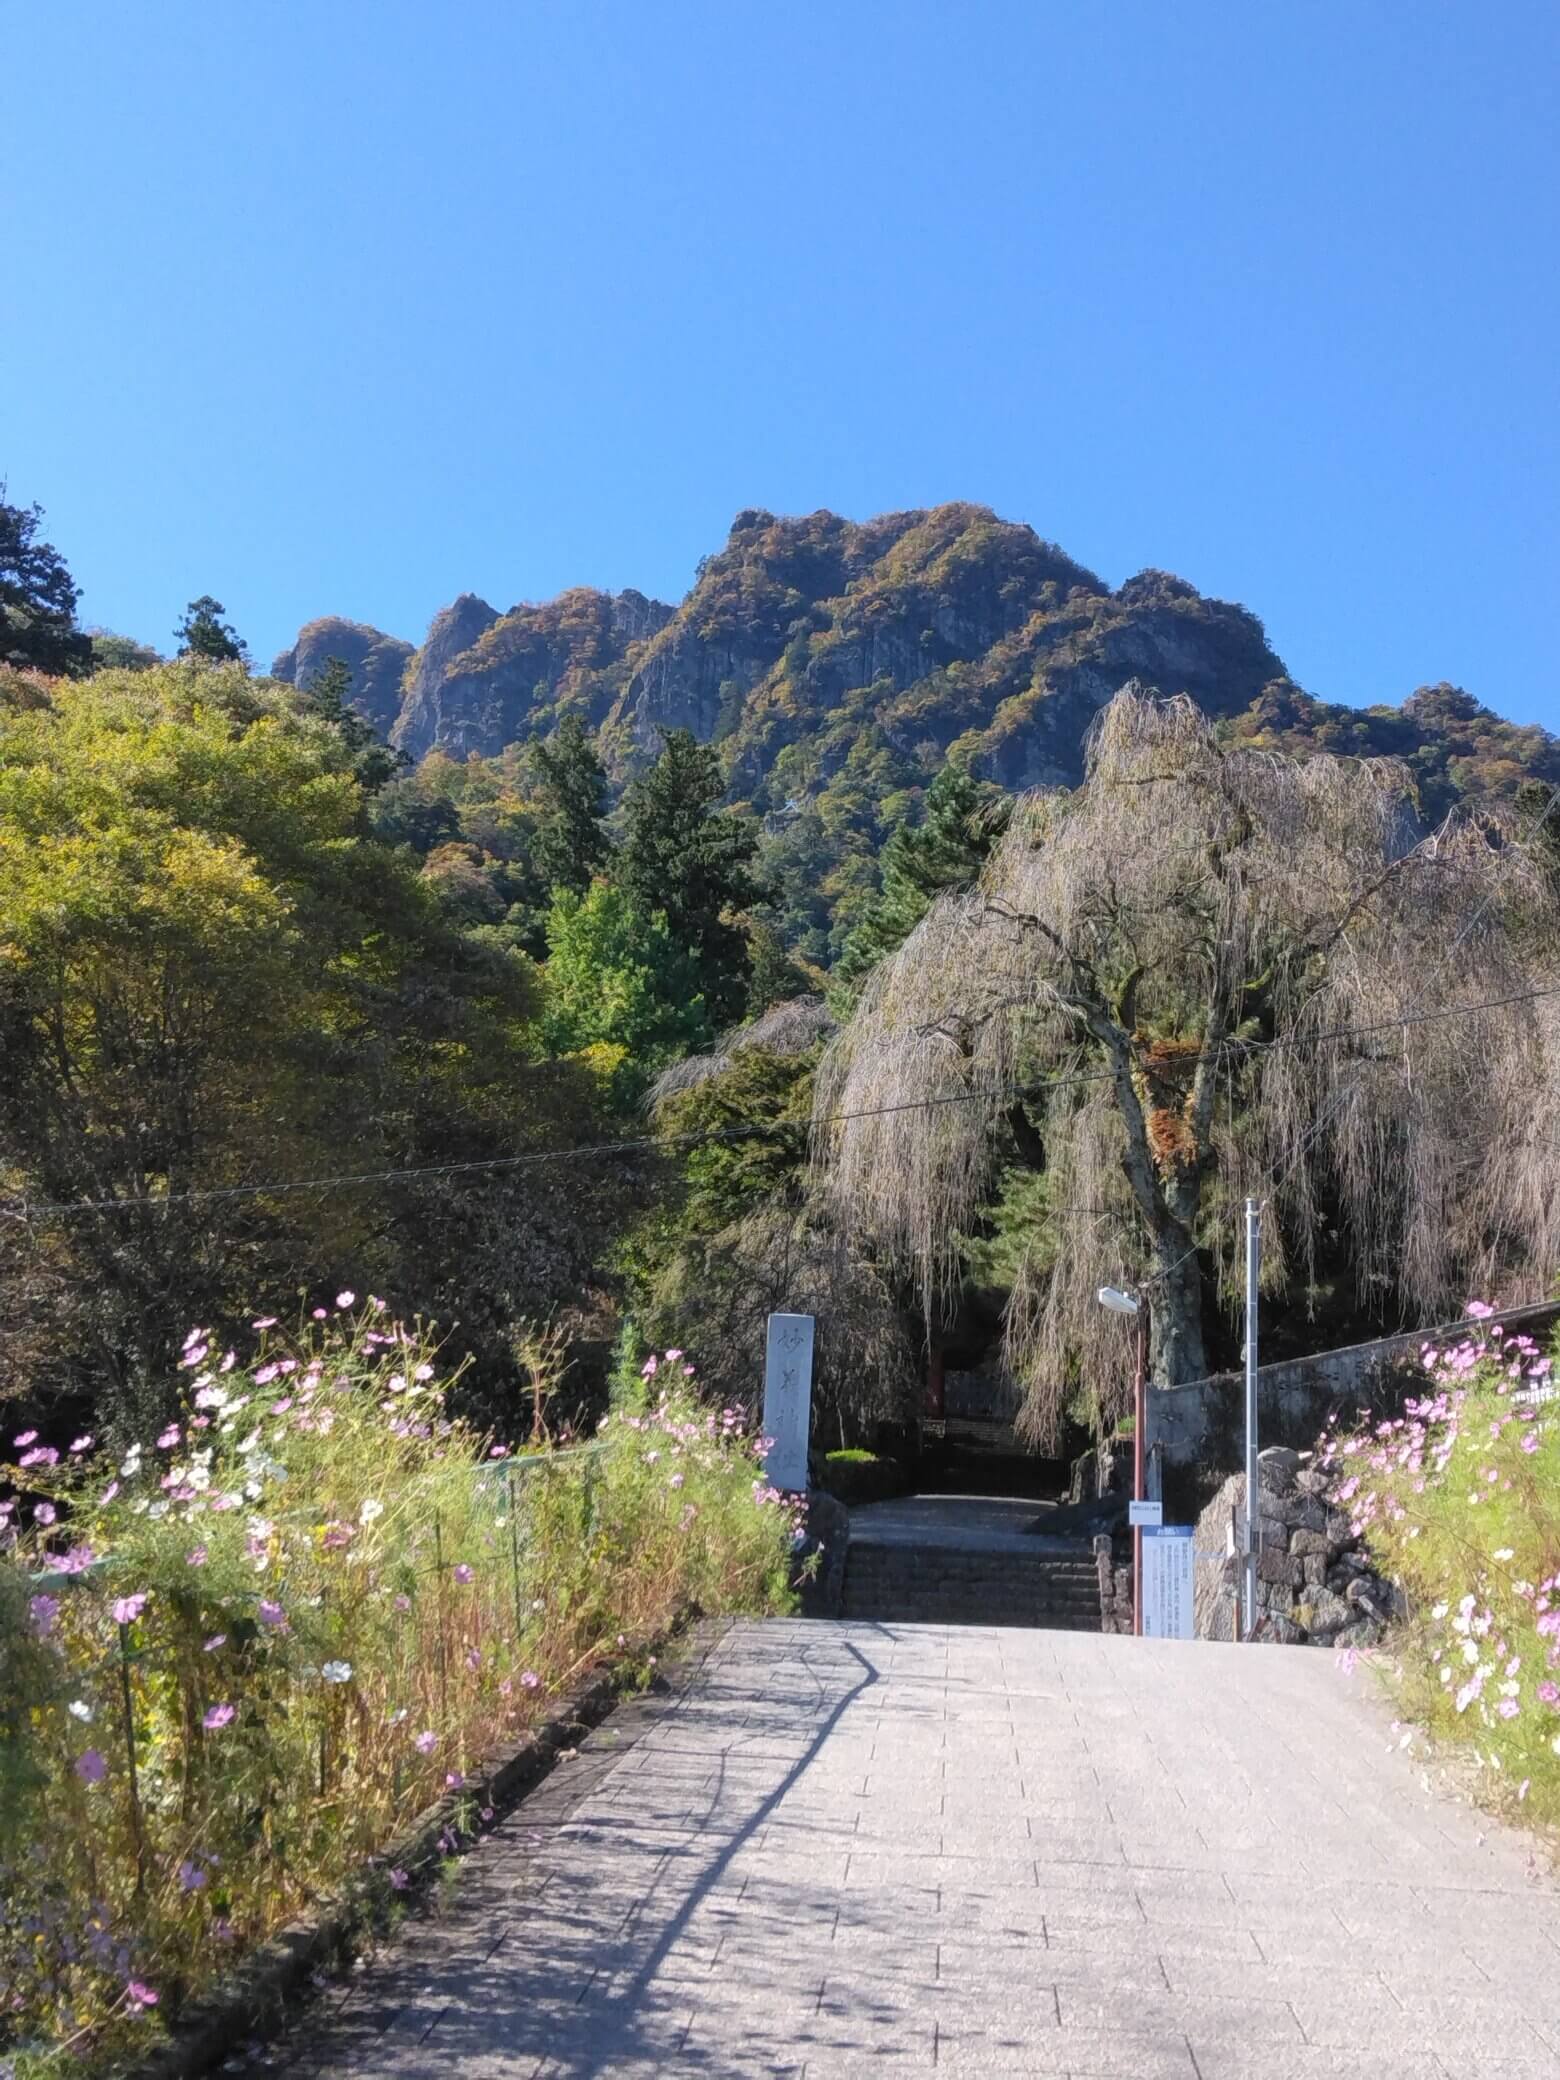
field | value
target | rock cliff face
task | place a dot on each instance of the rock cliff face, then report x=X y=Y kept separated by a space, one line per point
x=483 y=680
x=827 y=654
x=376 y=661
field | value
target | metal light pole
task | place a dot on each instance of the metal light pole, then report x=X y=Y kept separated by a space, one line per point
x=1249 y=1572
x=1133 y=1303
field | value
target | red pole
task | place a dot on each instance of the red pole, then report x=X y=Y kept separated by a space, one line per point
x=1139 y=1425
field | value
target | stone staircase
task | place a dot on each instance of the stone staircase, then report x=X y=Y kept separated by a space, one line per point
x=946 y=1585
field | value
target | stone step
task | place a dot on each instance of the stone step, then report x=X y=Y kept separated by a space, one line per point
x=939 y=1584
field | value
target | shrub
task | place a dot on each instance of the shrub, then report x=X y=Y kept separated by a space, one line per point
x=856 y=1476
x=1457 y=1498
x=235 y=1659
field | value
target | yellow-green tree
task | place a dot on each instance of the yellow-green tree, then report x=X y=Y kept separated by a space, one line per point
x=212 y=977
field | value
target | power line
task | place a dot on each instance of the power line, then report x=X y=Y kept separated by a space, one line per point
x=655 y=1143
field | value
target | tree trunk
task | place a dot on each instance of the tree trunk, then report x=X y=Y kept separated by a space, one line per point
x=1176 y=1353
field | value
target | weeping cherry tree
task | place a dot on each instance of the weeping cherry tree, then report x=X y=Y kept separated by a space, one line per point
x=1201 y=975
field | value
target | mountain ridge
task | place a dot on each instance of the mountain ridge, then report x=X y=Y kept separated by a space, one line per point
x=836 y=664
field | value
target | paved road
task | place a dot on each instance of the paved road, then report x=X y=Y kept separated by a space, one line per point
x=854 y=1848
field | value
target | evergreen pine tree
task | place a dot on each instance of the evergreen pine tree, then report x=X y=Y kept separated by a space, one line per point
x=329 y=695
x=685 y=855
x=964 y=818
x=37 y=598
x=571 y=845
x=204 y=633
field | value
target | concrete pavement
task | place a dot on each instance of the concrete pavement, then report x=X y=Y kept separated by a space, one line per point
x=851 y=1847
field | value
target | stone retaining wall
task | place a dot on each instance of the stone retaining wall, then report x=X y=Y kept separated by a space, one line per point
x=1315 y=1585
x=1115 y=1577
x=1203 y=1425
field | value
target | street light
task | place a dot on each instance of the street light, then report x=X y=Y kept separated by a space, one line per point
x=1119 y=1302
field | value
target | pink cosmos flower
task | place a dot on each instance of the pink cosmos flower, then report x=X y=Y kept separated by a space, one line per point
x=91 y=1767
x=266 y=1321
x=126 y=1609
x=399 y=1880
x=82 y=1444
x=1549 y=1693
x=499 y=1451
x=44 y=1513
x=219 y=1716
x=426 y=1742
x=138 y=1995
x=195 y=1557
x=345 y=1299
x=453 y=1780
x=318 y=1314
x=76 y=1561
x=43 y=1611
x=169 y=1438
x=25 y=1438
x=271 y=1613
x=40 y=1455
x=473 y=1658
x=217 y=1639
x=463 y=1573
x=530 y=1680
x=1508 y=1708
x=191 y=1876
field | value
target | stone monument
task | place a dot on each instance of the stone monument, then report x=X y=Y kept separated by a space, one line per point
x=788 y=1400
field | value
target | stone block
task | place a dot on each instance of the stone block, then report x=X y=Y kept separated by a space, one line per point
x=1276 y=1468
x=1284 y=1631
x=1303 y=1543
x=1311 y=1480
x=1359 y=1632
x=1323 y=1613
x=1315 y=1570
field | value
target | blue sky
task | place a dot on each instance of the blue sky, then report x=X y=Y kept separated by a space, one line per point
x=351 y=305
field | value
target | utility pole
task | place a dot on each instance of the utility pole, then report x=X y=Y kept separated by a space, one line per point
x=1139 y=1459
x=1253 y=1520
x=1119 y=1301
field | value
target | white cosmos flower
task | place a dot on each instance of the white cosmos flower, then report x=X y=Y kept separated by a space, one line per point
x=79 y=1709
x=370 y=1511
x=337 y=1671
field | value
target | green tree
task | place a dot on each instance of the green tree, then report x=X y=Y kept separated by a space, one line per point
x=570 y=846
x=964 y=819
x=204 y=633
x=686 y=856
x=619 y=983
x=774 y=976
x=37 y=598
x=329 y=695
x=211 y=976
x=111 y=653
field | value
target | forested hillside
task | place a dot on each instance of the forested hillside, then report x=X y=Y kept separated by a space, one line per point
x=837 y=665
x=496 y=974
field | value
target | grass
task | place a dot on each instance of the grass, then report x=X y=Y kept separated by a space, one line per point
x=235 y=1659
x=1458 y=1500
